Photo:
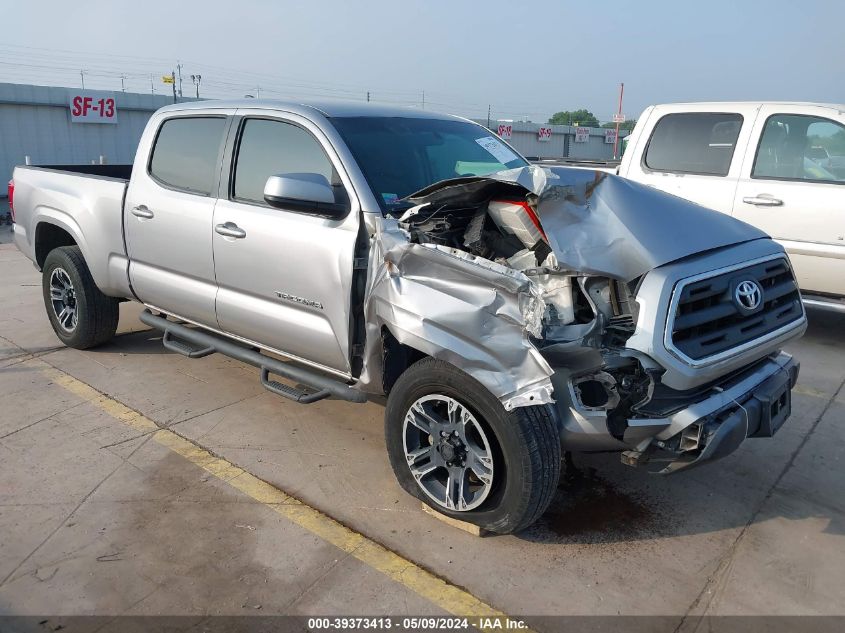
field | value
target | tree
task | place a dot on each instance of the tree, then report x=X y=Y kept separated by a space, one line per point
x=576 y=117
x=627 y=125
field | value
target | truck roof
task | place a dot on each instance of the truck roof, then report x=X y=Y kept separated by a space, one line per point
x=328 y=107
x=730 y=104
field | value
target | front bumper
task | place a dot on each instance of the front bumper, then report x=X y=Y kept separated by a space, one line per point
x=754 y=405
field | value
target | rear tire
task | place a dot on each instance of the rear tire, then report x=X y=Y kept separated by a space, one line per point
x=81 y=315
x=524 y=445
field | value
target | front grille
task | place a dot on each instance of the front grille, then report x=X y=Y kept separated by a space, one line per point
x=707 y=320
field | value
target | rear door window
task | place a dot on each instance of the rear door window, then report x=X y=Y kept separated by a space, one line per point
x=694 y=143
x=801 y=147
x=186 y=154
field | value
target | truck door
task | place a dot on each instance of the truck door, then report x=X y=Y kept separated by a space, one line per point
x=792 y=186
x=691 y=154
x=168 y=214
x=284 y=277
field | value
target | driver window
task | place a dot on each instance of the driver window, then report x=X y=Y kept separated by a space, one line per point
x=268 y=148
x=798 y=147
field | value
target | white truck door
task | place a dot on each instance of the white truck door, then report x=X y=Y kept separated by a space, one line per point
x=690 y=150
x=792 y=186
x=168 y=213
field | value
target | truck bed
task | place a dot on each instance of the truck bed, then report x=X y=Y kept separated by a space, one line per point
x=120 y=172
x=75 y=204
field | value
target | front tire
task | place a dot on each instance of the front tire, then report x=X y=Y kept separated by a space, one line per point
x=453 y=445
x=81 y=315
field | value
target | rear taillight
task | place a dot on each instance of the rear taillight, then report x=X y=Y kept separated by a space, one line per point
x=12 y=199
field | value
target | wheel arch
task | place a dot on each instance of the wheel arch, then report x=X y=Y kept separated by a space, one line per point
x=49 y=236
x=396 y=358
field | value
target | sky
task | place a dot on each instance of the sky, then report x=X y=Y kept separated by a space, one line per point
x=520 y=59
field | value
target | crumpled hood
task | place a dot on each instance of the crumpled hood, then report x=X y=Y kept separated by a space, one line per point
x=599 y=223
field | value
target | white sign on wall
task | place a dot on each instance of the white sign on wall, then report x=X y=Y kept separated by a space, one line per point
x=610 y=136
x=505 y=130
x=544 y=134
x=582 y=134
x=88 y=106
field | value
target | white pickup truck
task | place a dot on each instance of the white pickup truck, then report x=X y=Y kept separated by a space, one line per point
x=778 y=166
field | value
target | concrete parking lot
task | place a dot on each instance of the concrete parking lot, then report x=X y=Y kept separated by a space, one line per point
x=136 y=481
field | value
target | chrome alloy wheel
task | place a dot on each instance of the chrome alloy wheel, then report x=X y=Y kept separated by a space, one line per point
x=63 y=298
x=448 y=453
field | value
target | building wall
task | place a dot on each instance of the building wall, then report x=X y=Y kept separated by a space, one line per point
x=561 y=144
x=35 y=121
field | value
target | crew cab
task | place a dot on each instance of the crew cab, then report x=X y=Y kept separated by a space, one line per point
x=508 y=312
x=777 y=165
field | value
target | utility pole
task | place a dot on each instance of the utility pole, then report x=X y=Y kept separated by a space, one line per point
x=152 y=86
x=179 y=69
x=82 y=75
x=122 y=85
x=488 y=116
x=368 y=96
x=423 y=99
x=618 y=116
x=197 y=79
x=173 y=82
x=258 y=92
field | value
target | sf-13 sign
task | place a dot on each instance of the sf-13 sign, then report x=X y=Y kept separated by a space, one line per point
x=92 y=107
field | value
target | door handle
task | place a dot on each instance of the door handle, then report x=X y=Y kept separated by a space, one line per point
x=230 y=229
x=141 y=211
x=763 y=201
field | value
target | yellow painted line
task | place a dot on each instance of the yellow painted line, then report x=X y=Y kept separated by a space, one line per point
x=447 y=596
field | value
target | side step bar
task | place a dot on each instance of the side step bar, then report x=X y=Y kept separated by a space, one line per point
x=197 y=343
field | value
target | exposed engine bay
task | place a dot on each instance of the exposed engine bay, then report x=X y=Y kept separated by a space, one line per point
x=529 y=280
x=578 y=310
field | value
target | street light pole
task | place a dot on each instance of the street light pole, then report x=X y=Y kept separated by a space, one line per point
x=197 y=79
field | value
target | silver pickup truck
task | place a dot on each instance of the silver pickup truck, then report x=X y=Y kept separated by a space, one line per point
x=508 y=312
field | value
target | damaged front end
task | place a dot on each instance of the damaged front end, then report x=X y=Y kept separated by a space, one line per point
x=528 y=281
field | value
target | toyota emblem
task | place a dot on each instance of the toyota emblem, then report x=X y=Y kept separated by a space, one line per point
x=748 y=295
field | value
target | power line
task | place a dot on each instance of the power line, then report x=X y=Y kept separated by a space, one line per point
x=39 y=63
x=336 y=88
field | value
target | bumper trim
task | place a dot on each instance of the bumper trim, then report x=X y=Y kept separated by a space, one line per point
x=677 y=422
x=757 y=412
x=731 y=433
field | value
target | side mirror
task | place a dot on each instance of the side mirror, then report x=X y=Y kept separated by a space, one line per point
x=305 y=193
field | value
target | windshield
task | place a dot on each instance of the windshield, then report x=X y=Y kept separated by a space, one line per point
x=399 y=156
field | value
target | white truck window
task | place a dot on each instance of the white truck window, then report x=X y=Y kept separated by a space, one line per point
x=694 y=143
x=269 y=148
x=187 y=153
x=801 y=147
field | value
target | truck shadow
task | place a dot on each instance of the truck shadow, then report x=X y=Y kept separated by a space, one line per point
x=593 y=507
x=588 y=508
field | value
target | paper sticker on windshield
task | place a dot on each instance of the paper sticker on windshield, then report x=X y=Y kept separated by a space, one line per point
x=497 y=149
x=390 y=198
